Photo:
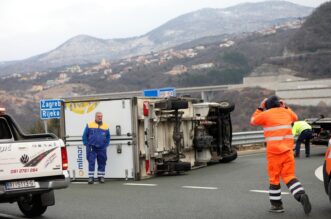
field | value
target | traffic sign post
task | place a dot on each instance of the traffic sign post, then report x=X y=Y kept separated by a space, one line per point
x=50 y=109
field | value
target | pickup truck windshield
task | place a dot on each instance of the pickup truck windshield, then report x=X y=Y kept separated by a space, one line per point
x=5 y=133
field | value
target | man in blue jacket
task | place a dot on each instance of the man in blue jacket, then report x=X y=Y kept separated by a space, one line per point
x=96 y=138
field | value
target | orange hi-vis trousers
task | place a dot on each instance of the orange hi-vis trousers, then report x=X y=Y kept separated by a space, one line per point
x=281 y=166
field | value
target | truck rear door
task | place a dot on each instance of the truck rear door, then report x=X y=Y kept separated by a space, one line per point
x=118 y=115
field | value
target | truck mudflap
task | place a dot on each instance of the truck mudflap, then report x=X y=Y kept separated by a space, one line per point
x=173 y=167
x=40 y=186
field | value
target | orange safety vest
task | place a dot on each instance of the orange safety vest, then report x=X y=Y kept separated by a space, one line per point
x=277 y=128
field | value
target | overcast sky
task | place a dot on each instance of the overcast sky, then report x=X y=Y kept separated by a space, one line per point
x=31 y=27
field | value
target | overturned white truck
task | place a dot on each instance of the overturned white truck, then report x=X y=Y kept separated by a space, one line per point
x=150 y=136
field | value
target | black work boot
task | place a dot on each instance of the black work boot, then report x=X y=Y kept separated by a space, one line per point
x=101 y=180
x=304 y=200
x=90 y=180
x=274 y=208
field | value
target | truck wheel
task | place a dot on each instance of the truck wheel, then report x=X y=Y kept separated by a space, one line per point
x=226 y=106
x=172 y=104
x=229 y=157
x=31 y=207
x=326 y=180
x=182 y=166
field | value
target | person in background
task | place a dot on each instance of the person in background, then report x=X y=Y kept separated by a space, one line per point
x=96 y=138
x=305 y=133
x=276 y=120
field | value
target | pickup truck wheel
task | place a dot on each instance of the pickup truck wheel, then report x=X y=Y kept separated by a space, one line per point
x=229 y=157
x=31 y=207
x=326 y=180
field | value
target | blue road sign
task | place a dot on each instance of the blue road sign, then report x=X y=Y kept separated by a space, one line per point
x=162 y=92
x=167 y=92
x=151 y=93
x=50 y=109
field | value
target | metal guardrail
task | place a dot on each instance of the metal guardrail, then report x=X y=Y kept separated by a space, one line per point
x=129 y=94
x=238 y=138
x=247 y=138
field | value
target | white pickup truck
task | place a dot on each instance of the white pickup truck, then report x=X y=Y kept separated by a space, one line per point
x=31 y=167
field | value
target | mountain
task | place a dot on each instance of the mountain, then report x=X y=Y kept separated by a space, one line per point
x=85 y=49
x=309 y=50
x=246 y=17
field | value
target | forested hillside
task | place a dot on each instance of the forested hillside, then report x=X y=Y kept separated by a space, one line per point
x=309 y=50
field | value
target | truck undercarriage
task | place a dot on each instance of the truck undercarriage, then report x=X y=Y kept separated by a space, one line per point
x=201 y=129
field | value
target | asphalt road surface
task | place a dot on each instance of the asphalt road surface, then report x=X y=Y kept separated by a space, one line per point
x=233 y=190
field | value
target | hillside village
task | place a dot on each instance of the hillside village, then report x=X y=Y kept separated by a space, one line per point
x=110 y=71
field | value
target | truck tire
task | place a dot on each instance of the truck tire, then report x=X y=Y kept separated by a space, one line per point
x=31 y=207
x=172 y=104
x=226 y=106
x=182 y=166
x=230 y=157
x=326 y=180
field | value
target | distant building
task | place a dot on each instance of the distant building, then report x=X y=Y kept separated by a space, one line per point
x=37 y=88
x=107 y=71
x=203 y=66
x=200 y=47
x=177 y=70
x=114 y=77
x=62 y=76
x=73 y=69
x=104 y=63
x=227 y=44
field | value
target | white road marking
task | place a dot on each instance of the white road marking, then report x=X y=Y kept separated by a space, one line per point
x=9 y=216
x=319 y=173
x=199 y=187
x=78 y=182
x=267 y=191
x=139 y=184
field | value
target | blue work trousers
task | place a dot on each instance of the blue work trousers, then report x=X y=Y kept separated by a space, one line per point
x=305 y=137
x=92 y=154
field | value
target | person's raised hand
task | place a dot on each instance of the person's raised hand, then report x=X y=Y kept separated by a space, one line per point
x=262 y=104
x=282 y=103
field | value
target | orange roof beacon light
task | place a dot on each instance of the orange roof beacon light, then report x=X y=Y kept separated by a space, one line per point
x=2 y=110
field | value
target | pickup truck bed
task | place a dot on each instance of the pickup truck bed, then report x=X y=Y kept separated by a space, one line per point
x=31 y=167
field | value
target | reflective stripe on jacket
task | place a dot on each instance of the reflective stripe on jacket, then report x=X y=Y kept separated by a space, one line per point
x=276 y=123
x=299 y=127
x=96 y=135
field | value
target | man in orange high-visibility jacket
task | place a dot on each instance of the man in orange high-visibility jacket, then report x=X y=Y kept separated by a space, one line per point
x=276 y=120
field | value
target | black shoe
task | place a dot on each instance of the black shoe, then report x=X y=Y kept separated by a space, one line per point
x=90 y=180
x=101 y=180
x=307 y=155
x=297 y=155
x=305 y=203
x=276 y=209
